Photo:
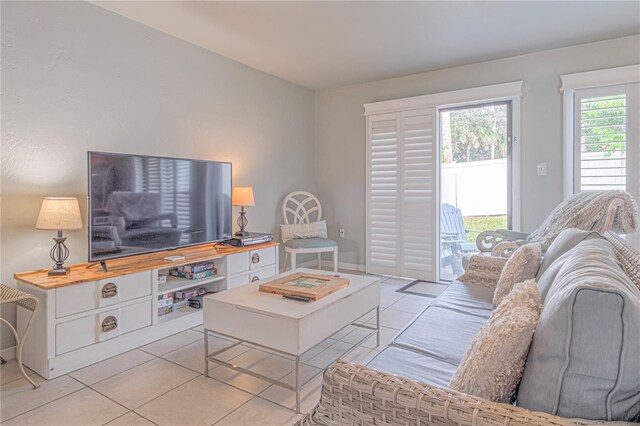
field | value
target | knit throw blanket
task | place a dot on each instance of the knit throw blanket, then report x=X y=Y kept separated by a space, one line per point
x=599 y=211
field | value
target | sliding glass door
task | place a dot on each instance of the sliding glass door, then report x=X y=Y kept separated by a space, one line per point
x=475 y=178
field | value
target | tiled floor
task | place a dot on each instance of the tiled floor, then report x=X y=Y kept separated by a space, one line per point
x=162 y=383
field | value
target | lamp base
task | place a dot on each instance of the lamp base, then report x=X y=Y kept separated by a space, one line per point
x=242 y=234
x=58 y=271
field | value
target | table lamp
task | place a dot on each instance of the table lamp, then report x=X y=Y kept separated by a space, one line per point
x=242 y=196
x=59 y=214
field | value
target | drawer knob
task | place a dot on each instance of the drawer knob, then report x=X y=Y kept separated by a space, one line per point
x=255 y=258
x=255 y=278
x=109 y=290
x=109 y=323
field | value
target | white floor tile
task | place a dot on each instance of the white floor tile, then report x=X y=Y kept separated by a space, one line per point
x=394 y=319
x=386 y=335
x=388 y=299
x=309 y=396
x=10 y=372
x=361 y=355
x=307 y=372
x=246 y=382
x=85 y=407
x=260 y=412
x=18 y=397
x=325 y=344
x=145 y=382
x=202 y=401
x=356 y=335
x=329 y=355
x=412 y=304
x=130 y=419
x=110 y=367
x=171 y=343
x=192 y=355
x=272 y=366
x=199 y=328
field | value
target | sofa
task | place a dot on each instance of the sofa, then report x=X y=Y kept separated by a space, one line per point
x=583 y=365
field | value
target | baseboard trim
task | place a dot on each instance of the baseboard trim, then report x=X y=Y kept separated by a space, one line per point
x=8 y=353
x=328 y=264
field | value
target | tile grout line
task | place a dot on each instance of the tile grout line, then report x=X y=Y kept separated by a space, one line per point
x=49 y=402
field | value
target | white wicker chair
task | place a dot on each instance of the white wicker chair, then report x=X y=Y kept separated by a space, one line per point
x=301 y=207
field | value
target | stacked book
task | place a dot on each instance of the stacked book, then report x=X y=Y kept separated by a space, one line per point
x=171 y=302
x=194 y=271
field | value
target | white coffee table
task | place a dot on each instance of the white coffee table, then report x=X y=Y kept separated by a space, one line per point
x=286 y=326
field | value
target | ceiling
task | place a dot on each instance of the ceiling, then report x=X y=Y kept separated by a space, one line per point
x=320 y=44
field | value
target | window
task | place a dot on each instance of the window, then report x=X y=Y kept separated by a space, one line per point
x=602 y=132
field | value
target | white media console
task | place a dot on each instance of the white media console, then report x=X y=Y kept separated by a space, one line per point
x=90 y=315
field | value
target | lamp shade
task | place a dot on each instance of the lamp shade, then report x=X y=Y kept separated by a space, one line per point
x=242 y=196
x=59 y=213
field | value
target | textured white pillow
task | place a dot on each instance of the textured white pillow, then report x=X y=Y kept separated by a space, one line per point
x=522 y=265
x=493 y=364
x=304 y=230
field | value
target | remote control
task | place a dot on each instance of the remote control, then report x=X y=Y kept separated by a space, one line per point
x=298 y=298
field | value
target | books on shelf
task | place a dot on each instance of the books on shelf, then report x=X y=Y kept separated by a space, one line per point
x=189 y=293
x=192 y=275
x=165 y=300
x=196 y=267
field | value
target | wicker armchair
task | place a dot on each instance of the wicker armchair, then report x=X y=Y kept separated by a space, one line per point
x=358 y=395
x=599 y=211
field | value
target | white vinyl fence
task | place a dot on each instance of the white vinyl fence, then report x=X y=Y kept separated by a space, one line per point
x=478 y=188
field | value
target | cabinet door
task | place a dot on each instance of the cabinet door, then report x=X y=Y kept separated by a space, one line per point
x=238 y=280
x=237 y=263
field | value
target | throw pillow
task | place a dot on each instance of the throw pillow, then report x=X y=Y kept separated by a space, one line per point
x=304 y=230
x=522 y=265
x=492 y=366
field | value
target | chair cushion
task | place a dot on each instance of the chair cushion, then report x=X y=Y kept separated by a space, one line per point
x=523 y=265
x=467 y=298
x=584 y=361
x=492 y=365
x=413 y=365
x=565 y=241
x=440 y=333
x=298 y=243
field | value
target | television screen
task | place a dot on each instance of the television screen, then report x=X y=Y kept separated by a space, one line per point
x=139 y=204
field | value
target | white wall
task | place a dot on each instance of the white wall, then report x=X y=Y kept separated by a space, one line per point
x=76 y=77
x=340 y=128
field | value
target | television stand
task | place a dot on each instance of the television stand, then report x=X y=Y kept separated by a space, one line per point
x=90 y=315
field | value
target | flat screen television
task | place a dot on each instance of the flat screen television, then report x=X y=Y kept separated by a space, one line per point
x=140 y=204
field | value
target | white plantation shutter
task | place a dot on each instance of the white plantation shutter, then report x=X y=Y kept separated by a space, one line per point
x=382 y=195
x=418 y=194
x=606 y=140
x=401 y=194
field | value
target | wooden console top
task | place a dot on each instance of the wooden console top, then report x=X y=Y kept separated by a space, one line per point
x=84 y=272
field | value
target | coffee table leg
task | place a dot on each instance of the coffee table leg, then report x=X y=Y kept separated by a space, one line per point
x=297 y=384
x=206 y=353
x=377 y=326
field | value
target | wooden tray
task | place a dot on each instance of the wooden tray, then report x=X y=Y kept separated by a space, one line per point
x=306 y=285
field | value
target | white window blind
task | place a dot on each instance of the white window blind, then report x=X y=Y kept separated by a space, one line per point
x=606 y=140
x=401 y=194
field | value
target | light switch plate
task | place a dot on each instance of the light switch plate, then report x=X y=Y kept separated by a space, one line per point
x=541 y=169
